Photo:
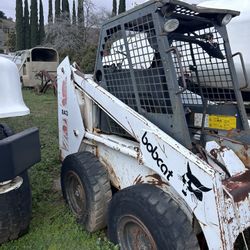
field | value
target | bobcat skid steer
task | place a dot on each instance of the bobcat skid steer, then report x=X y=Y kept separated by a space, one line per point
x=156 y=144
x=18 y=152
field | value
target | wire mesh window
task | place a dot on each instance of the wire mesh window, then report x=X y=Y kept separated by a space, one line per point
x=207 y=76
x=133 y=69
x=148 y=71
x=113 y=57
x=116 y=68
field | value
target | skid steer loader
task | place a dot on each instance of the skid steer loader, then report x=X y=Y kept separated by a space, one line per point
x=156 y=144
x=18 y=152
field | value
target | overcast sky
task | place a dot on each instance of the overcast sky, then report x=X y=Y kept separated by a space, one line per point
x=8 y=6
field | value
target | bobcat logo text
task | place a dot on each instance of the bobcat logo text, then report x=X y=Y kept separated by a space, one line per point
x=155 y=156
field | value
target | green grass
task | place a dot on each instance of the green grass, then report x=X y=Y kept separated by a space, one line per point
x=52 y=226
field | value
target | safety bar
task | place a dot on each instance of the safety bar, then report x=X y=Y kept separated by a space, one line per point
x=243 y=68
x=178 y=56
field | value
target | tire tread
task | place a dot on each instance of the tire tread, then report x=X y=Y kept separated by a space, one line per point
x=15 y=211
x=162 y=210
x=97 y=176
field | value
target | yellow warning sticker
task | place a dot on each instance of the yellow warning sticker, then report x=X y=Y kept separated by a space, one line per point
x=222 y=122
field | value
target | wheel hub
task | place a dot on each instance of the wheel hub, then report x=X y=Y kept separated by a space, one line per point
x=75 y=194
x=134 y=235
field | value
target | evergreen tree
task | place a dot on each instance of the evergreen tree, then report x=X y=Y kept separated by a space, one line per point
x=41 y=23
x=74 y=13
x=65 y=9
x=26 y=30
x=65 y=6
x=57 y=9
x=122 y=6
x=80 y=14
x=19 y=25
x=2 y=15
x=50 y=16
x=114 y=10
x=34 y=35
x=11 y=42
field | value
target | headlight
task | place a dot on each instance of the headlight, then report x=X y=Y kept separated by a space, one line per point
x=171 y=25
x=226 y=19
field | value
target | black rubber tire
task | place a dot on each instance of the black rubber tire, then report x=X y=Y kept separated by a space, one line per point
x=144 y=209
x=15 y=211
x=86 y=189
x=15 y=206
x=5 y=131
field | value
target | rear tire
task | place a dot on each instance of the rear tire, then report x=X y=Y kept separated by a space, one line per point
x=5 y=131
x=15 y=211
x=86 y=189
x=15 y=205
x=145 y=217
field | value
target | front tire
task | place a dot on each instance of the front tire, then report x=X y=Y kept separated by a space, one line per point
x=145 y=217
x=86 y=189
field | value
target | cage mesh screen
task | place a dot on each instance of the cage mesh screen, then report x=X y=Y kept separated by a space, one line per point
x=184 y=11
x=148 y=71
x=132 y=67
x=206 y=76
x=114 y=56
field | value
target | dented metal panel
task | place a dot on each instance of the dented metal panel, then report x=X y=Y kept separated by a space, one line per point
x=238 y=141
x=238 y=186
x=227 y=157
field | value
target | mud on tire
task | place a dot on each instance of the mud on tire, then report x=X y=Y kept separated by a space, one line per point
x=86 y=189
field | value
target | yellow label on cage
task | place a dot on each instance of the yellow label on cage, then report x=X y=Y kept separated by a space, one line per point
x=222 y=122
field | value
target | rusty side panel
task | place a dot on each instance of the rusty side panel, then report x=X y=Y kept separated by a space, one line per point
x=214 y=152
x=239 y=142
x=115 y=180
x=153 y=179
x=239 y=186
x=156 y=180
x=244 y=155
x=138 y=180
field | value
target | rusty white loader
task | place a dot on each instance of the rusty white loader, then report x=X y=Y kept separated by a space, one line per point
x=156 y=144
